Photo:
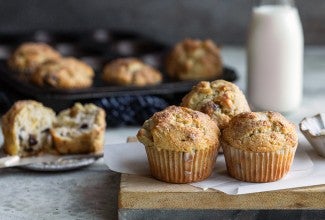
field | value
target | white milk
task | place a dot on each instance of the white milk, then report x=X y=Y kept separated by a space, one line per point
x=275 y=58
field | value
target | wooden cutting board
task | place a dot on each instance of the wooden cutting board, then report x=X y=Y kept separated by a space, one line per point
x=142 y=196
x=139 y=192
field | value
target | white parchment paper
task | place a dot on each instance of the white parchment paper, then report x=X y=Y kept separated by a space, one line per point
x=308 y=169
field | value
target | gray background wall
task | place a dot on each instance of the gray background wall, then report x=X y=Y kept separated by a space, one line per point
x=167 y=20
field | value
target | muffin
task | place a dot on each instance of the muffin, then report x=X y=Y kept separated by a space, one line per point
x=181 y=144
x=194 y=60
x=130 y=71
x=26 y=128
x=28 y=56
x=79 y=129
x=259 y=146
x=220 y=99
x=65 y=73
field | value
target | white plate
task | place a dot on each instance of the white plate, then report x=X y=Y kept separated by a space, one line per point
x=61 y=165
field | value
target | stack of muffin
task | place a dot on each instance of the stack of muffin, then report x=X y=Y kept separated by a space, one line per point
x=182 y=142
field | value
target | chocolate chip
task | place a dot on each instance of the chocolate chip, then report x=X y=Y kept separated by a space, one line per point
x=29 y=149
x=46 y=130
x=32 y=140
x=84 y=126
x=51 y=80
x=210 y=107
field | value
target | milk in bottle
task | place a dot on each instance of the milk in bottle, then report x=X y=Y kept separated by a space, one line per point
x=275 y=57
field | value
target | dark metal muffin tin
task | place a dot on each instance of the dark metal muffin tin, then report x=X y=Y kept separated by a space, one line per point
x=96 y=48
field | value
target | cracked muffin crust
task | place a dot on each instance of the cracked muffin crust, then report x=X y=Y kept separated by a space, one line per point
x=65 y=73
x=193 y=59
x=79 y=129
x=220 y=99
x=259 y=146
x=26 y=128
x=179 y=129
x=260 y=132
x=28 y=56
x=181 y=144
x=130 y=71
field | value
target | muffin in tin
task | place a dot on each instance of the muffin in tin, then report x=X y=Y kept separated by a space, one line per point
x=181 y=144
x=130 y=71
x=65 y=73
x=28 y=56
x=220 y=99
x=193 y=59
x=259 y=146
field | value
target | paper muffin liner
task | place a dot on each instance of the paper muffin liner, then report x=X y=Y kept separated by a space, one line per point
x=181 y=167
x=258 y=167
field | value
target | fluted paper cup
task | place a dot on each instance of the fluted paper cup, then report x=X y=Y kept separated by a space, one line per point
x=258 y=167
x=181 y=167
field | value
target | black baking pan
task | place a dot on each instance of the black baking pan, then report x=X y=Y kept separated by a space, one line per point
x=97 y=48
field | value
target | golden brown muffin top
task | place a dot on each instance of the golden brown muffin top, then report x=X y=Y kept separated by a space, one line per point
x=30 y=55
x=179 y=129
x=260 y=132
x=19 y=106
x=65 y=73
x=220 y=99
x=130 y=71
x=193 y=59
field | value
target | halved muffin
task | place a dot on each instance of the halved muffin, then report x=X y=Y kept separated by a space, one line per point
x=79 y=129
x=26 y=128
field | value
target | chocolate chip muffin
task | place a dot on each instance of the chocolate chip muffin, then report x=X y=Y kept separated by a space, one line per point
x=28 y=56
x=194 y=60
x=181 y=144
x=220 y=99
x=130 y=71
x=26 y=128
x=259 y=146
x=65 y=73
x=79 y=129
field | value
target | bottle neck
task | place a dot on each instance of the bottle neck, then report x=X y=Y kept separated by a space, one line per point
x=276 y=2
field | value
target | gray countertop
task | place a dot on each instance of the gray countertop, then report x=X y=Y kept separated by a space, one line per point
x=91 y=193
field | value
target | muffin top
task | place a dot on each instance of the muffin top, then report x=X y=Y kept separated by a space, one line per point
x=194 y=59
x=220 y=99
x=179 y=129
x=130 y=71
x=28 y=56
x=65 y=73
x=260 y=132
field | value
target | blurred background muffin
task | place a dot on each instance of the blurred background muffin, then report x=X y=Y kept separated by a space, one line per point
x=181 y=144
x=193 y=59
x=65 y=73
x=259 y=146
x=28 y=56
x=220 y=99
x=130 y=71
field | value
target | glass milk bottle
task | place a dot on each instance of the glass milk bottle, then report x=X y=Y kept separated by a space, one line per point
x=275 y=56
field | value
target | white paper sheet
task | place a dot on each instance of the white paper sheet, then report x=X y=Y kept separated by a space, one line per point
x=307 y=169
